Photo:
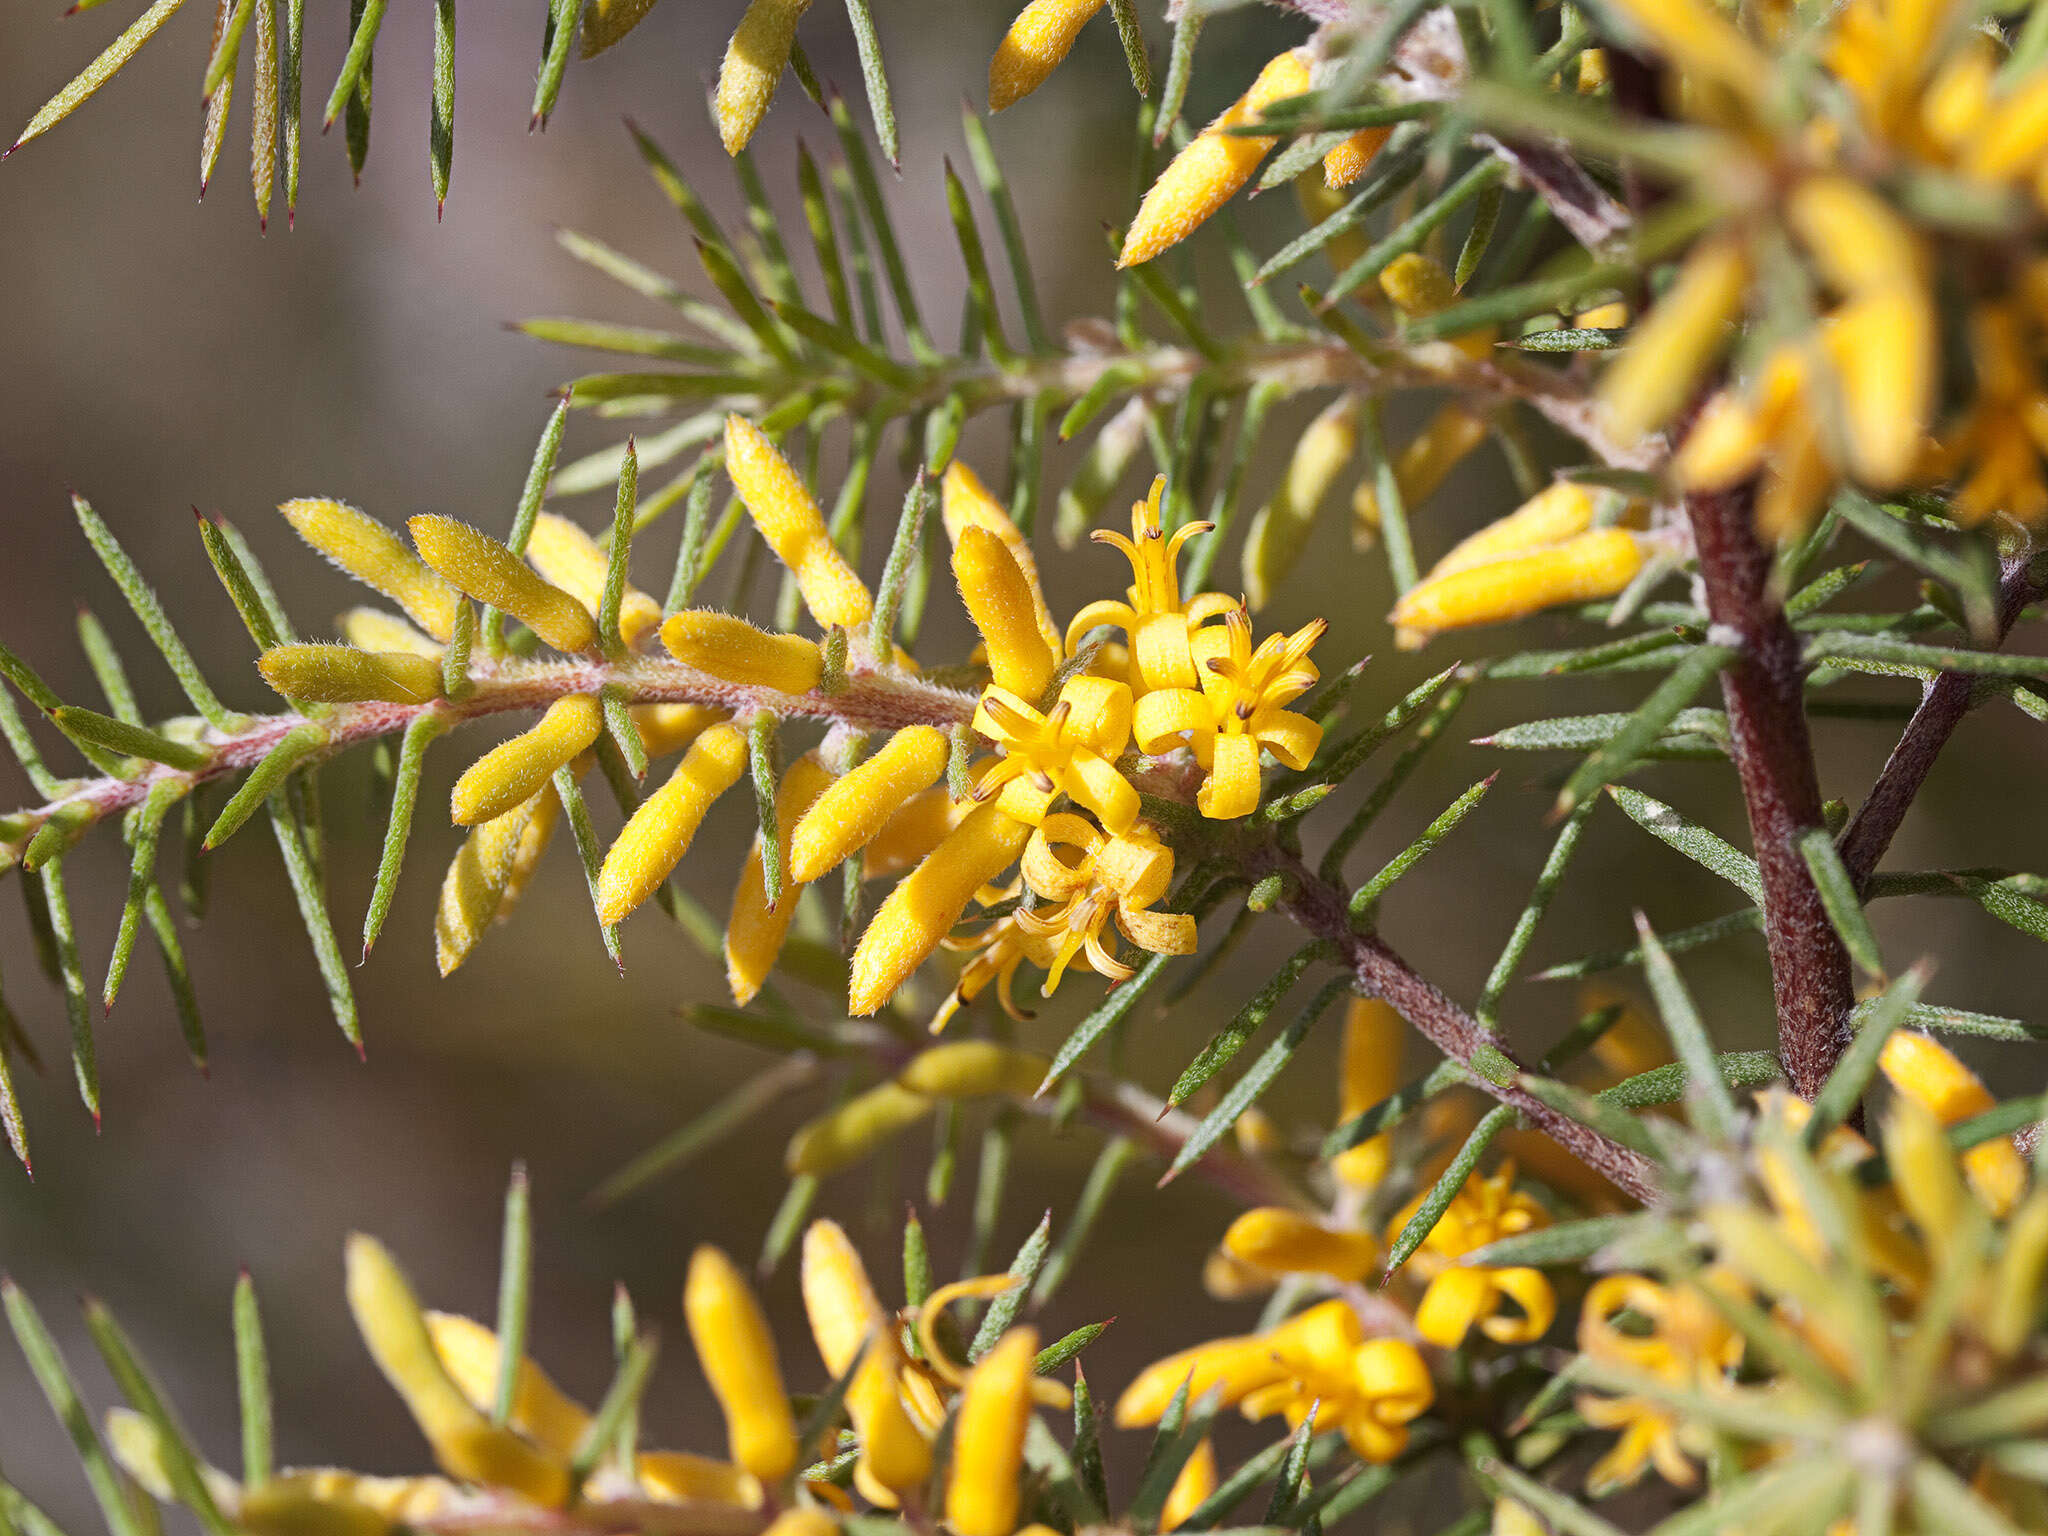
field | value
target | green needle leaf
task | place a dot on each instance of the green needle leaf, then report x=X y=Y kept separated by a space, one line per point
x=515 y=1291
x=47 y=1365
x=252 y=1383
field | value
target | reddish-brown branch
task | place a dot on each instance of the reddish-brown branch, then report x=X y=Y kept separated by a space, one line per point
x=1942 y=707
x=1319 y=907
x=1763 y=688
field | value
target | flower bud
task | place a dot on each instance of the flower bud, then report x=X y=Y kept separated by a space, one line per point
x=965 y=502
x=988 y=1438
x=489 y=572
x=926 y=904
x=1422 y=465
x=1592 y=565
x=755 y=932
x=659 y=832
x=570 y=558
x=514 y=770
x=1290 y=1243
x=1371 y=1069
x=789 y=519
x=466 y=1443
x=734 y=651
x=1670 y=350
x=341 y=674
x=914 y=832
x=666 y=728
x=1032 y=49
x=488 y=872
x=802 y=1520
x=1215 y=164
x=972 y=1069
x=373 y=554
x=1281 y=528
x=1351 y=158
x=540 y=1410
x=372 y=629
x=998 y=600
x=1922 y=1069
x=1558 y=512
x=856 y=808
x=738 y=1356
x=1191 y=1487
x=754 y=61
x=845 y=1135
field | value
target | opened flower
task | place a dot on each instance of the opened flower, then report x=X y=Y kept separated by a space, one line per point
x=1158 y=627
x=1071 y=750
x=1240 y=708
x=1461 y=1296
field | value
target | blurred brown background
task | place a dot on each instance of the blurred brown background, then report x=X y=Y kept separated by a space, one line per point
x=156 y=353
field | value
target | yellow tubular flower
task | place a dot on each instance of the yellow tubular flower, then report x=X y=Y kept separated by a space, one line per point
x=1194 y=1483
x=141 y=1449
x=1602 y=317
x=920 y=911
x=1154 y=620
x=972 y=1069
x=1205 y=175
x=1371 y=1069
x=754 y=934
x=341 y=674
x=514 y=770
x=1670 y=351
x=998 y=596
x=681 y=1476
x=754 y=61
x=1591 y=565
x=802 y=1520
x=1394 y=1381
x=540 y=1410
x=1696 y=36
x=1032 y=49
x=965 y=502
x=790 y=521
x=1556 y=513
x=666 y=728
x=734 y=651
x=1419 y=285
x=488 y=872
x=839 y=1302
x=1423 y=464
x=605 y=22
x=1923 y=1070
x=1240 y=709
x=465 y=1442
x=988 y=1438
x=843 y=1136
x=857 y=808
x=1080 y=891
x=737 y=1353
x=1884 y=349
x=1352 y=158
x=845 y=1315
x=659 y=832
x=570 y=558
x=489 y=572
x=1281 y=527
x=1236 y=1367
x=1287 y=1242
x=1072 y=750
x=372 y=553
x=372 y=629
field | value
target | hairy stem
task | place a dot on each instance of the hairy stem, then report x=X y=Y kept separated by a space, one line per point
x=1319 y=907
x=1942 y=707
x=1763 y=690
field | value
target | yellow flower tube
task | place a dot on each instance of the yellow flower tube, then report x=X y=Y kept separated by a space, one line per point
x=1668 y=353
x=965 y=502
x=998 y=597
x=842 y=1136
x=754 y=61
x=737 y=1353
x=1031 y=50
x=913 y=832
x=755 y=932
x=1558 y=512
x=372 y=629
x=488 y=872
x=1207 y=174
x=1195 y=1482
x=973 y=1069
x=988 y=1438
x=514 y=770
x=341 y=674
x=659 y=832
x=666 y=728
x=734 y=651
x=1424 y=463
x=926 y=904
x=540 y=1409
x=1370 y=1070
x=845 y=1315
x=1922 y=1069
x=852 y=811
x=1352 y=157
x=1591 y=565
x=374 y=555
x=570 y=558
x=790 y=521
x=466 y=1443
x=1287 y=1242
x=489 y=572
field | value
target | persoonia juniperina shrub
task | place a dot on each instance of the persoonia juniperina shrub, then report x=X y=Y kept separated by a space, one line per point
x=1753 y=304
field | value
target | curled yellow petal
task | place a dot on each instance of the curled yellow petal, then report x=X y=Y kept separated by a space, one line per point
x=661 y=828
x=731 y=649
x=374 y=555
x=754 y=61
x=1232 y=788
x=341 y=674
x=514 y=770
x=737 y=1353
x=1033 y=47
x=790 y=521
x=489 y=572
